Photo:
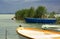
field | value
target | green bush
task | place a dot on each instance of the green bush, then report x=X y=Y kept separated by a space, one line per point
x=31 y=12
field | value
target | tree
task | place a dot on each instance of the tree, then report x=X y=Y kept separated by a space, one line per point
x=41 y=10
x=52 y=15
x=31 y=12
x=26 y=13
x=19 y=14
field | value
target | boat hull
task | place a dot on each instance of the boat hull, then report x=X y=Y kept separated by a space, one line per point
x=40 y=20
x=47 y=32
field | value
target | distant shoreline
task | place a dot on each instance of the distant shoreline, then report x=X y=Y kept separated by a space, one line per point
x=7 y=13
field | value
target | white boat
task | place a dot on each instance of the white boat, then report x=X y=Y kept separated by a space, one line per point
x=50 y=25
x=34 y=33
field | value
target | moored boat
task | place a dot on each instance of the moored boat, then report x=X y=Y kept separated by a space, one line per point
x=40 y=20
x=34 y=33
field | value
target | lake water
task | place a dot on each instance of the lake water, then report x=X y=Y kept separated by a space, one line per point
x=10 y=25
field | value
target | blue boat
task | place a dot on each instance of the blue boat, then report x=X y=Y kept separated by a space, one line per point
x=40 y=20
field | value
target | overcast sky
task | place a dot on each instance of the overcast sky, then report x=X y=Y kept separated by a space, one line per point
x=11 y=6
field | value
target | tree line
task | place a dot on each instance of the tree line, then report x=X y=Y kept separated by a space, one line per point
x=39 y=12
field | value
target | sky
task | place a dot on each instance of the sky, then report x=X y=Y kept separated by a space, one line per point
x=11 y=6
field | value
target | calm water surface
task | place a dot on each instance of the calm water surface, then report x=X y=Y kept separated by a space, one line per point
x=11 y=25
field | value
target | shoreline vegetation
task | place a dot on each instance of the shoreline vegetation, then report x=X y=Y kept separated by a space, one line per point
x=39 y=12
